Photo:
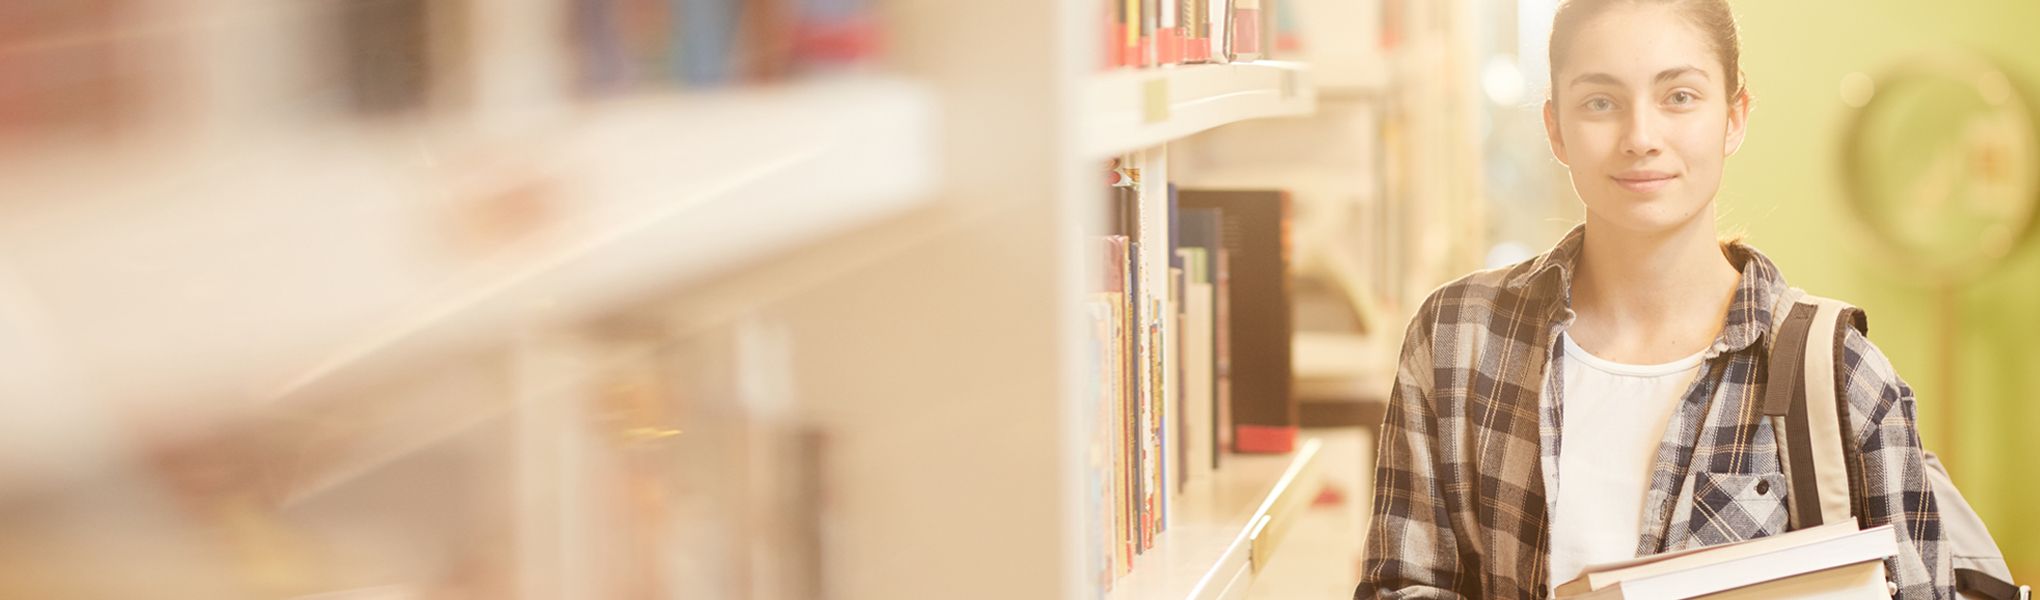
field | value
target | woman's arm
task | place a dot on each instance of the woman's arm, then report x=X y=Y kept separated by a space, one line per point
x=1411 y=551
x=1895 y=488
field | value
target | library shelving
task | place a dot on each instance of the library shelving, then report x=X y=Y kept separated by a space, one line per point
x=746 y=342
x=1132 y=109
x=1226 y=529
x=423 y=242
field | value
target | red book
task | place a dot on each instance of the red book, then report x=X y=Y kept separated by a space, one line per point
x=1115 y=33
x=1169 y=32
x=1196 y=31
x=1168 y=46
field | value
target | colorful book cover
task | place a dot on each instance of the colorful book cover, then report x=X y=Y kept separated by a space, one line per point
x=1196 y=31
x=1130 y=18
x=1168 y=32
x=1246 y=30
x=1118 y=280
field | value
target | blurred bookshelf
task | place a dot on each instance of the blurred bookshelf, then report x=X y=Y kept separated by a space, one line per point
x=409 y=299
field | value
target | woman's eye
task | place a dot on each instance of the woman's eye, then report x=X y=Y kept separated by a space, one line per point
x=1600 y=105
x=1683 y=98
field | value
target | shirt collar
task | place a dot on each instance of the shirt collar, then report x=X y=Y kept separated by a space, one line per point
x=1749 y=314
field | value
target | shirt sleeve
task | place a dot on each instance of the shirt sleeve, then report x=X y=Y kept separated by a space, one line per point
x=1895 y=489
x=1411 y=551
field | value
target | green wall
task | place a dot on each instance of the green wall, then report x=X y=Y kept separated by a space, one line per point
x=1785 y=190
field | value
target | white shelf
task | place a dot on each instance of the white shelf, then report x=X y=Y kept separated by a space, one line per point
x=1225 y=529
x=256 y=268
x=1132 y=109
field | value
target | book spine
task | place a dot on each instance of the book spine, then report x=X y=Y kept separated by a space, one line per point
x=1130 y=34
x=1246 y=30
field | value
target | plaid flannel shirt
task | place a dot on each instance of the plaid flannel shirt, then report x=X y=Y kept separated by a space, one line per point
x=1471 y=441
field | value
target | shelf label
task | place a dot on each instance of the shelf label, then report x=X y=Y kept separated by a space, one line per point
x=1155 y=100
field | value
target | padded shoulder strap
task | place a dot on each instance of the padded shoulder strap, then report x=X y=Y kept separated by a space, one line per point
x=1813 y=435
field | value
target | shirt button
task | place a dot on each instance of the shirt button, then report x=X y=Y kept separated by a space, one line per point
x=1763 y=487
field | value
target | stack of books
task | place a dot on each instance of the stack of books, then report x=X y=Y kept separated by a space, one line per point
x=1833 y=561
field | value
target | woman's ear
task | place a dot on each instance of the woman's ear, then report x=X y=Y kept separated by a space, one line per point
x=1552 y=134
x=1738 y=122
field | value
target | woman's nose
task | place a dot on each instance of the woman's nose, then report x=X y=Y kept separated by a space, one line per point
x=1640 y=136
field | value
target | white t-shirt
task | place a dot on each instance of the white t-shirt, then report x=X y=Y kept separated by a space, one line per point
x=1615 y=415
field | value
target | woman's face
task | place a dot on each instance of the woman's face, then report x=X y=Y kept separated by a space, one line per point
x=1640 y=114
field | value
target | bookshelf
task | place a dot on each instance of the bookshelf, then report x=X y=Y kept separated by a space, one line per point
x=1131 y=109
x=1228 y=529
x=890 y=259
x=665 y=190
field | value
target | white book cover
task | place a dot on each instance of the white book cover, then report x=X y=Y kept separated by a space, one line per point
x=1812 y=560
x=1198 y=390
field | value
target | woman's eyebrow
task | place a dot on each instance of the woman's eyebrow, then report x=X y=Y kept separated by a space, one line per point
x=1601 y=78
x=1677 y=72
x=1662 y=76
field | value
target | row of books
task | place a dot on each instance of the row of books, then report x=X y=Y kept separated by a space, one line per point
x=1149 y=33
x=620 y=45
x=97 y=69
x=1189 y=362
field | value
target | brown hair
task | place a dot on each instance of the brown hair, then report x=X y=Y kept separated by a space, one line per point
x=1712 y=17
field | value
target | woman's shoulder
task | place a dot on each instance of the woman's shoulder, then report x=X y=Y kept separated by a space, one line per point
x=1872 y=384
x=1864 y=375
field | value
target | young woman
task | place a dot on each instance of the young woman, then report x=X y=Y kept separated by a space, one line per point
x=1599 y=402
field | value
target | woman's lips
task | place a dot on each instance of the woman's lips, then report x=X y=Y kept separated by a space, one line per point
x=1644 y=182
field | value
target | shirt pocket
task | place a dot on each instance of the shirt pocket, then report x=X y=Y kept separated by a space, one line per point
x=1732 y=507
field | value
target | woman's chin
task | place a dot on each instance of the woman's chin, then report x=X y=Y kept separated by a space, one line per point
x=1644 y=218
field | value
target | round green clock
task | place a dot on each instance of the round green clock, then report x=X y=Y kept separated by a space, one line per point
x=1939 y=164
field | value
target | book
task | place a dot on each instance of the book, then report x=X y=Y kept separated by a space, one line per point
x=1255 y=237
x=765 y=51
x=1110 y=335
x=1198 y=411
x=1200 y=239
x=1833 y=560
x=1117 y=397
x=386 y=54
x=1130 y=35
x=1284 y=30
x=67 y=70
x=1221 y=334
x=1246 y=30
x=706 y=42
x=1175 y=426
x=831 y=35
x=1114 y=19
x=1219 y=13
x=1196 y=31
x=1168 y=32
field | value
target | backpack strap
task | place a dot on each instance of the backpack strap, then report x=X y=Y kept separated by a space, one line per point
x=1820 y=469
x=1813 y=436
